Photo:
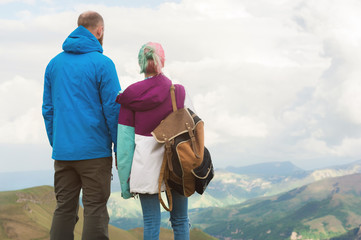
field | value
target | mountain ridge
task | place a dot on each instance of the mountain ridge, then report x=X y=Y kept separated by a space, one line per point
x=27 y=213
x=320 y=210
x=228 y=188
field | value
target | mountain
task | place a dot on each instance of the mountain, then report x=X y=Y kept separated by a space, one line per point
x=324 y=209
x=229 y=188
x=26 y=214
x=354 y=234
x=236 y=185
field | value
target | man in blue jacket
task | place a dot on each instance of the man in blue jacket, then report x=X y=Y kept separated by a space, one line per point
x=80 y=113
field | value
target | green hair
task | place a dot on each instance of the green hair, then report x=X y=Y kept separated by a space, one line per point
x=151 y=58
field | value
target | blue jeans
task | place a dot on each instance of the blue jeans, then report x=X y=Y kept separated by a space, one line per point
x=178 y=216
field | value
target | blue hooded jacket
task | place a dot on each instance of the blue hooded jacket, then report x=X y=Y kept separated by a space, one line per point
x=79 y=108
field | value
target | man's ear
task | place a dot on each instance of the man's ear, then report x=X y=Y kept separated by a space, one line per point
x=100 y=31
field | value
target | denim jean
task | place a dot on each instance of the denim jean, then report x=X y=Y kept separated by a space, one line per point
x=178 y=216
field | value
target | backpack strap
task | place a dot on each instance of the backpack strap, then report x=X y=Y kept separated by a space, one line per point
x=172 y=95
x=167 y=163
x=163 y=177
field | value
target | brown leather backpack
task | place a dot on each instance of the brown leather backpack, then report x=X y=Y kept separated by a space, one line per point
x=182 y=133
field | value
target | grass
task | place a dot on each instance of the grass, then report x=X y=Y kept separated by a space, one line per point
x=27 y=214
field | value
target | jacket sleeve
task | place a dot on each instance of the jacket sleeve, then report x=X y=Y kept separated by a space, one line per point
x=109 y=88
x=125 y=149
x=47 y=108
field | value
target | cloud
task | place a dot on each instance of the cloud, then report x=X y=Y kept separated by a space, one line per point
x=223 y=123
x=21 y=120
x=273 y=80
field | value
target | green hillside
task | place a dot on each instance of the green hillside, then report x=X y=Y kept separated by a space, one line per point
x=354 y=234
x=26 y=214
x=321 y=210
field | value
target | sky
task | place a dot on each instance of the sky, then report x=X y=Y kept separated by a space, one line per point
x=273 y=80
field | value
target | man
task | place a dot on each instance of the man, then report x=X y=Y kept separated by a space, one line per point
x=80 y=113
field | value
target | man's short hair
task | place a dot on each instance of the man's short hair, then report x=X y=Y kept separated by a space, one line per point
x=90 y=20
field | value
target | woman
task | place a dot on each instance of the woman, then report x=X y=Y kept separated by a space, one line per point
x=143 y=106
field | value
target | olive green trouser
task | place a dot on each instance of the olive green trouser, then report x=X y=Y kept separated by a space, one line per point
x=93 y=176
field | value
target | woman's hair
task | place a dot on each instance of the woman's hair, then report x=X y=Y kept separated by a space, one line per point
x=151 y=58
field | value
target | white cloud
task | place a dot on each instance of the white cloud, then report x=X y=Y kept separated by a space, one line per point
x=349 y=147
x=350 y=99
x=21 y=120
x=222 y=122
x=273 y=80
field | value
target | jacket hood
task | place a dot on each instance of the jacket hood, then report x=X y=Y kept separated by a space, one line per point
x=146 y=94
x=82 y=41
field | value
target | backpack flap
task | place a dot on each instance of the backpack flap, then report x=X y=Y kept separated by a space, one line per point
x=173 y=125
